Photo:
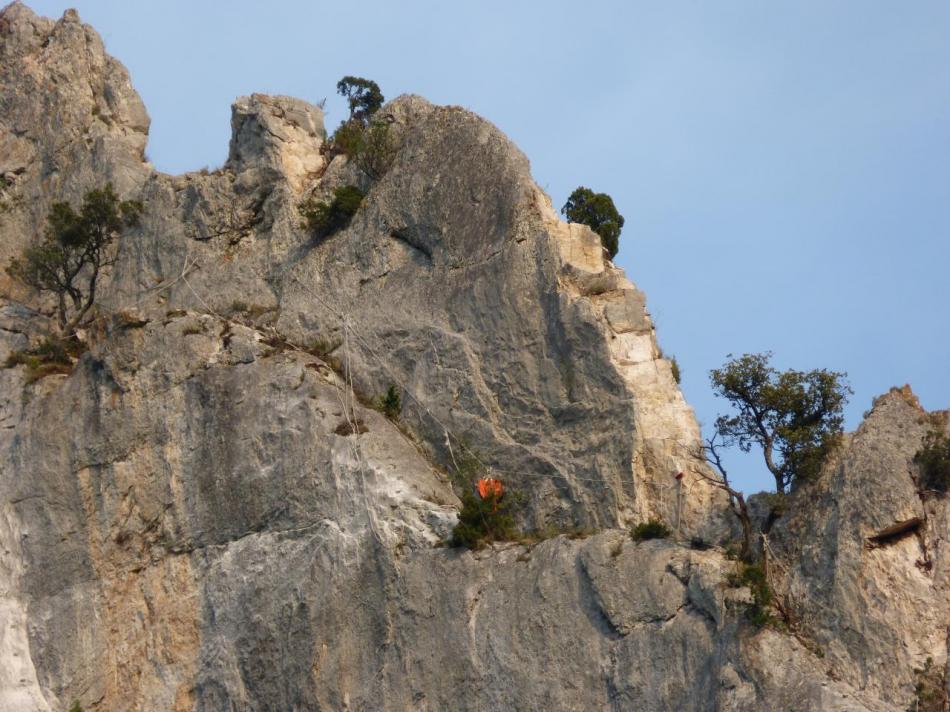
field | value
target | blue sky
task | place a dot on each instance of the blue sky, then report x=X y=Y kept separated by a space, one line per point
x=784 y=167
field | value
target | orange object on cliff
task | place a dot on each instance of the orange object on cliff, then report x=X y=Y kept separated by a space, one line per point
x=490 y=487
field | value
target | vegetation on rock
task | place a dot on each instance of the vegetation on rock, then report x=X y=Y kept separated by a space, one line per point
x=653 y=529
x=390 y=403
x=675 y=368
x=323 y=219
x=483 y=520
x=76 y=247
x=53 y=355
x=933 y=458
x=372 y=146
x=796 y=417
x=597 y=211
x=375 y=150
x=487 y=512
x=367 y=141
x=753 y=576
x=930 y=692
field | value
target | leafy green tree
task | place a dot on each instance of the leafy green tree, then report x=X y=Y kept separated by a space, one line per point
x=597 y=211
x=324 y=219
x=362 y=95
x=796 y=417
x=76 y=247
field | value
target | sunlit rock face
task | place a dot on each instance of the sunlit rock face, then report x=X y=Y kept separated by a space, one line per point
x=205 y=514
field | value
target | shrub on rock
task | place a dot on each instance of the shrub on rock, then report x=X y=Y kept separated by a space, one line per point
x=323 y=218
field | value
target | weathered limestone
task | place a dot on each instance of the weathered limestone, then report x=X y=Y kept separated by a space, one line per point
x=188 y=523
x=70 y=119
x=877 y=611
x=277 y=133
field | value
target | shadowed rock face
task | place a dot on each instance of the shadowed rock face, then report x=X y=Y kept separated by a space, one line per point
x=187 y=525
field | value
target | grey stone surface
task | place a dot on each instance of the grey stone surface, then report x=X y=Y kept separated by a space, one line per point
x=183 y=525
x=878 y=612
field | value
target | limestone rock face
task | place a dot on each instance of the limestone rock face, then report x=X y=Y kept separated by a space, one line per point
x=70 y=118
x=878 y=610
x=278 y=133
x=206 y=515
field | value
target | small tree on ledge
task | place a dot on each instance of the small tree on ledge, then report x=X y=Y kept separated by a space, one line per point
x=597 y=211
x=76 y=248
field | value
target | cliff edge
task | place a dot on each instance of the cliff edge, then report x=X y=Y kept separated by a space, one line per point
x=207 y=514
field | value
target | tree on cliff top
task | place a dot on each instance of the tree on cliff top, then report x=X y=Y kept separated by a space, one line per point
x=796 y=417
x=76 y=247
x=597 y=211
x=363 y=96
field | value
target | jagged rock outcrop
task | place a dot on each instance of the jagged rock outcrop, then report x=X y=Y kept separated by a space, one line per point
x=507 y=324
x=877 y=609
x=190 y=522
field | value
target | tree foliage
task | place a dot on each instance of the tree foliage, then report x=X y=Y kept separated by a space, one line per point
x=796 y=417
x=366 y=140
x=76 y=247
x=391 y=403
x=372 y=146
x=597 y=211
x=323 y=218
x=362 y=95
x=376 y=150
x=933 y=458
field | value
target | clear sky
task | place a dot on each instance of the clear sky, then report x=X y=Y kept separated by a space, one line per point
x=784 y=167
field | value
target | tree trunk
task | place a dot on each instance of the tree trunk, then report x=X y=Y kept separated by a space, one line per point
x=773 y=468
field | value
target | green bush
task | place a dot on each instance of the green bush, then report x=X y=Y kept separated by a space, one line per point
x=653 y=529
x=933 y=458
x=597 y=211
x=323 y=219
x=347 y=139
x=675 y=367
x=482 y=521
x=753 y=576
x=391 y=403
x=371 y=146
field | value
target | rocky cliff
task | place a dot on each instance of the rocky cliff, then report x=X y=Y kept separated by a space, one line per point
x=187 y=524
